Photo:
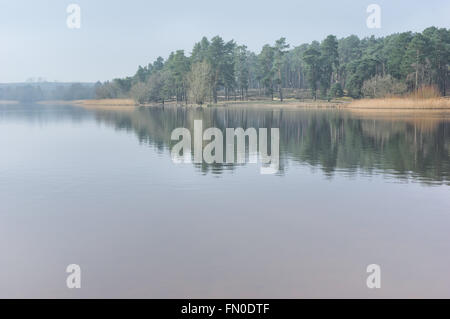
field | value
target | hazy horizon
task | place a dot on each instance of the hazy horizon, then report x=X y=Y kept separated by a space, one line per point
x=116 y=37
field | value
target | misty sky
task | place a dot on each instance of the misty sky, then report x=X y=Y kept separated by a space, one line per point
x=116 y=36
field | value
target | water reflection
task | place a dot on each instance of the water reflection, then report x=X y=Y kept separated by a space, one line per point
x=408 y=148
x=73 y=190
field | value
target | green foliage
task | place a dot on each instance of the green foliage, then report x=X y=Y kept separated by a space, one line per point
x=242 y=69
x=176 y=69
x=312 y=59
x=329 y=62
x=266 y=69
x=336 y=90
x=220 y=57
x=333 y=66
x=279 y=52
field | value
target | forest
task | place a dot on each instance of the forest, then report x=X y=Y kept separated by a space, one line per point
x=224 y=70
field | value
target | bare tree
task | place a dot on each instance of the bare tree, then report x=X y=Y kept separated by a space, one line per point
x=199 y=82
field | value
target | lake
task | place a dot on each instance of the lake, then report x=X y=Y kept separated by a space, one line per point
x=98 y=188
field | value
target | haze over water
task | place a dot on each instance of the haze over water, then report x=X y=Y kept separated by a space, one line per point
x=98 y=188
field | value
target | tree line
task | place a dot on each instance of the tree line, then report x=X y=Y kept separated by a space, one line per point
x=350 y=66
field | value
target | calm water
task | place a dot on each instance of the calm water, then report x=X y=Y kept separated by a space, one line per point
x=99 y=189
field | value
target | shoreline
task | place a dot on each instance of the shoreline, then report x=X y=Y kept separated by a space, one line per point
x=369 y=104
x=380 y=106
x=405 y=103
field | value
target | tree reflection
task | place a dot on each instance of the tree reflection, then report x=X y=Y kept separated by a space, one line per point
x=332 y=140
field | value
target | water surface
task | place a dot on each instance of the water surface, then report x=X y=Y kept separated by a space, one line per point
x=98 y=188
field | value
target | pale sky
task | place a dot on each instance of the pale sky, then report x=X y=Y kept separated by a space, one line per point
x=117 y=36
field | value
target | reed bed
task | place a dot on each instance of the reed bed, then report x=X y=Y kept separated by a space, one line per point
x=107 y=102
x=401 y=103
x=424 y=98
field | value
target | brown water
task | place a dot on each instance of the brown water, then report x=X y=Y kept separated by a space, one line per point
x=99 y=189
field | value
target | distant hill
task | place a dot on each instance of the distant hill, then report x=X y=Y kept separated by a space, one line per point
x=39 y=91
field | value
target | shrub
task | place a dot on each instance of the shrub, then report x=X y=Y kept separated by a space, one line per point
x=139 y=93
x=383 y=86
